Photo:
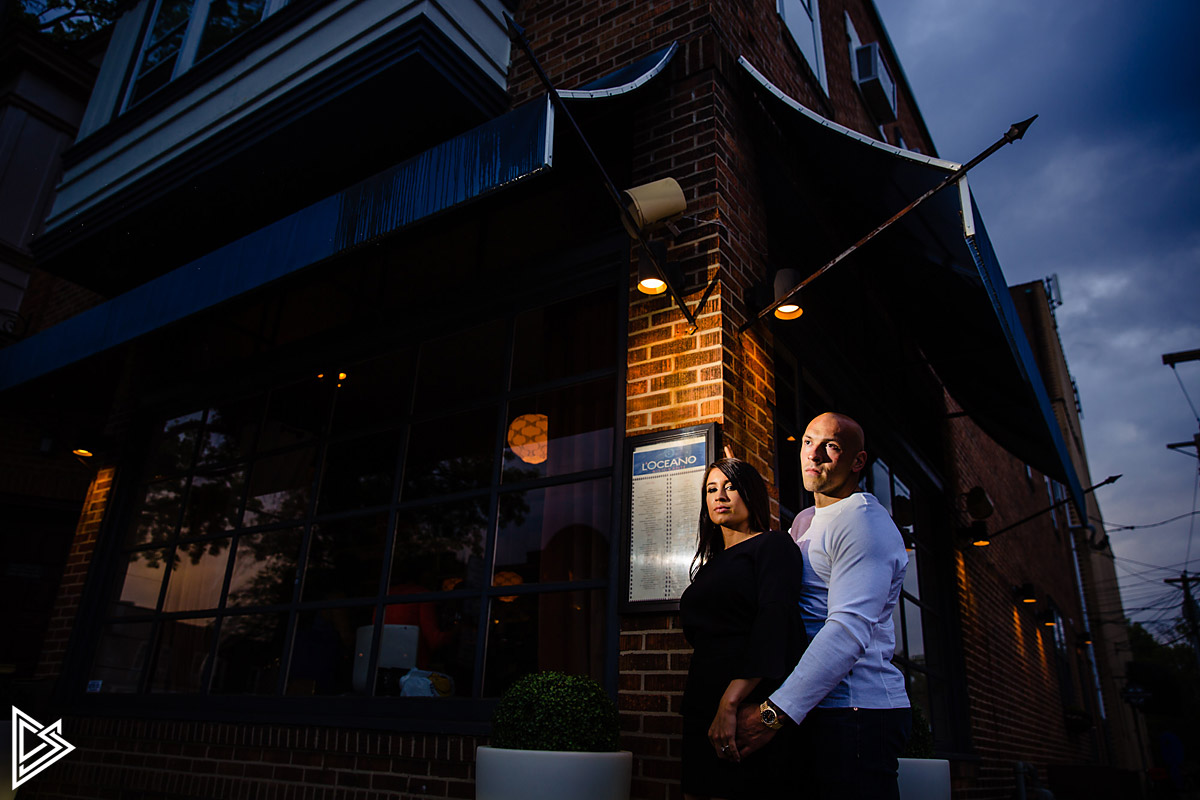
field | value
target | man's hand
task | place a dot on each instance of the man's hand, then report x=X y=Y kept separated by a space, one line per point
x=751 y=733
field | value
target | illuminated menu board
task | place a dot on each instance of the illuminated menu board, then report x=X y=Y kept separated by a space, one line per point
x=666 y=475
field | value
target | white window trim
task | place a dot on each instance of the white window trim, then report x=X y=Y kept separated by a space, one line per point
x=190 y=45
x=815 y=21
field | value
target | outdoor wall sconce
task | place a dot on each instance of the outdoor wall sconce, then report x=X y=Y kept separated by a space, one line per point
x=978 y=534
x=1085 y=638
x=979 y=505
x=85 y=454
x=1025 y=593
x=1047 y=618
x=652 y=206
x=790 y=307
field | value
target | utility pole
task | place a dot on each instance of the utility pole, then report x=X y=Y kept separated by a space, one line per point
x=1191 y=617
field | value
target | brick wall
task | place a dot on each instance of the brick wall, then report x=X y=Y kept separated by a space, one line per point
x=1013 y=689
x=75 y=574
x=118 y=759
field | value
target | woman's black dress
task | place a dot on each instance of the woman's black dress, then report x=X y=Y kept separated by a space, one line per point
x=741 y=614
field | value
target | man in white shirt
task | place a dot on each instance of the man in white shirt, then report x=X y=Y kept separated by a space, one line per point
x=845 y=691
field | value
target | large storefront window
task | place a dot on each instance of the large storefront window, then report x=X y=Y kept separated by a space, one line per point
x=918 y=621
x=433 y=522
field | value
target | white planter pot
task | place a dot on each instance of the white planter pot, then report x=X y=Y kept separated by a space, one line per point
x=924 y=779
x=502 y=774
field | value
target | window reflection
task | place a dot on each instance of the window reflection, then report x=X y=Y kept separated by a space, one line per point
x=248 y=654
x=306 y=474
x=158 y=512
x=120 y=656
x=296 y=413
x=174 y=446
x=450 y=455
x=264 y=569
x=230 y=431
x=226 y=19
x=280 y=487
x=555 y=631
x=570 y=338
x=197 y=575
x=322 y=660
x=462 y=367
x=440 y=548
x=913 y=633
x=359 y=473
x=568 y=430
x=213 y=503
x=183 y=652
x=162 y=46
x=912 y=576
x=139 y=588
x=562 y=536
x=881 y=484
x=344 y=558
x=376 y=393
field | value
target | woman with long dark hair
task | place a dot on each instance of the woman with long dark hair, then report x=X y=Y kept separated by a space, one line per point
x=742 y=618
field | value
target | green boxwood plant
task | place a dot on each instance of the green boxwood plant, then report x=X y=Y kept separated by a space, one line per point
x=554 y=711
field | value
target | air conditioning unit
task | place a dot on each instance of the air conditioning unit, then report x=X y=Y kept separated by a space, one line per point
x=875 y=83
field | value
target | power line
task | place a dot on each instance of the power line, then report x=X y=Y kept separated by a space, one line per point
x=1112 y=526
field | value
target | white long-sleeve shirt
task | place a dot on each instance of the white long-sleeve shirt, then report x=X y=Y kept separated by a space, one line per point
x=854 y=563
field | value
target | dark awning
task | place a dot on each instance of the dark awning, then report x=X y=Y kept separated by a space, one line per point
x=940 y=272
x=488 y=158
x=499 y=152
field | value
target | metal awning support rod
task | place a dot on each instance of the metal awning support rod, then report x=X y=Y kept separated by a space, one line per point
x=1048 y=509
x=1015 y=132
x=517 y=34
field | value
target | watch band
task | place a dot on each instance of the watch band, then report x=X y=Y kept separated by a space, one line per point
x=770 y=715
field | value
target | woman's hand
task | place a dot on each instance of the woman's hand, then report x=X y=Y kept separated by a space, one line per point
x=722 y=733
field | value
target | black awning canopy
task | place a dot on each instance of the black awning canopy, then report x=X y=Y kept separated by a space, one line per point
x=935 y=268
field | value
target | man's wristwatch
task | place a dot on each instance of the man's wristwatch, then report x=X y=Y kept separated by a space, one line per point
x=770 y=715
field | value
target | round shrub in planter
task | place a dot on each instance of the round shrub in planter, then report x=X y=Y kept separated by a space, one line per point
x=553 y=711
x=554 y=733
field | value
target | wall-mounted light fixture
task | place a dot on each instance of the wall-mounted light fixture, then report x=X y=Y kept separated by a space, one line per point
x=977 y=534
x=979 y=505
x=1048 y=618
x=786 y=307
x=651 y=207
x=1025 y=593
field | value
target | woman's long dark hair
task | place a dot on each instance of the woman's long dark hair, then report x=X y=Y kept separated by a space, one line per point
x=753 y=491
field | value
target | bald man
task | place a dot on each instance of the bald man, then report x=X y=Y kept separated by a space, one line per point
x=845 y=694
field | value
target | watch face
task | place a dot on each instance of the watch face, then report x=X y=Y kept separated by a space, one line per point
x=768 y=716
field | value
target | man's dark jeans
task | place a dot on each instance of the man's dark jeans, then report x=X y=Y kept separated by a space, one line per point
x=851 y=753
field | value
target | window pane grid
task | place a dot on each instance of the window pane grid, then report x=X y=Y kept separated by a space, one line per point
x=267 y=494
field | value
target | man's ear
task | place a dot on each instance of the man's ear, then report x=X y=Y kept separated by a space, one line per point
x=860 y=461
